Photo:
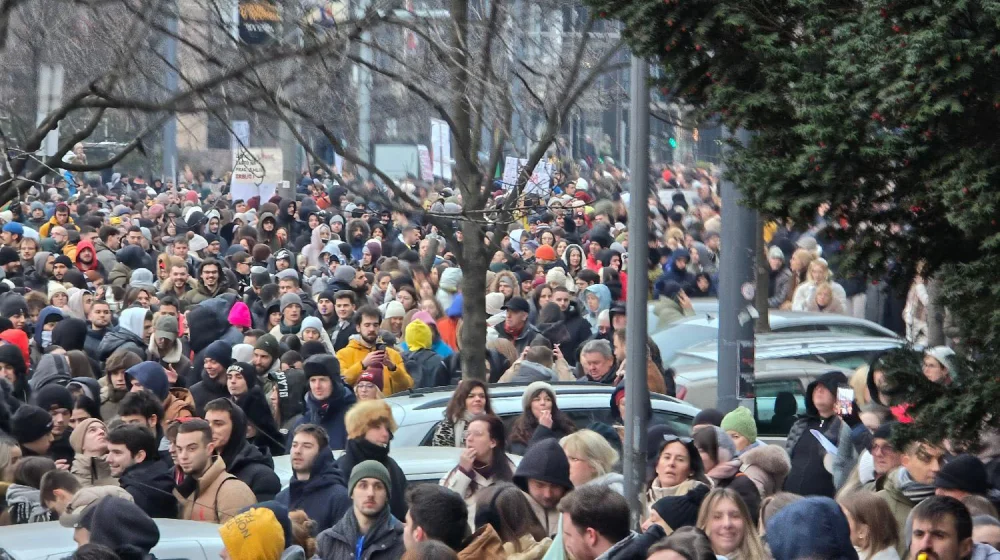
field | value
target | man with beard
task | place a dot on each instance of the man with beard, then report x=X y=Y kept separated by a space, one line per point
x=12 y=234
x=290 y=385
x=60 y=266
x=364 y=352
x=100 y=322
x=39 y=278
x=10 y=263
x=243 y=460
x=212 y=283
x=358 y=233
x=317 y=483
x=208 y=492
x=327 y=400
x=179 y=282
x=218 y=356
x=167 y=348
x=369 y=526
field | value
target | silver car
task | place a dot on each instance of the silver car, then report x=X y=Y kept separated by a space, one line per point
x=780 y=387
x=704 y=327
x=418 y=412
x=419 y=464
x=191 y=540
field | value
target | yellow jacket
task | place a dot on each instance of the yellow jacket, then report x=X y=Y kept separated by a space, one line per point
x=350 y=358
x=47 y=226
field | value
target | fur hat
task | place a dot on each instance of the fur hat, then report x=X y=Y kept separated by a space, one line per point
x=366 y=414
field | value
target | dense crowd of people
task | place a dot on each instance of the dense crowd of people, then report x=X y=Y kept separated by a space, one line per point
x=160 y=344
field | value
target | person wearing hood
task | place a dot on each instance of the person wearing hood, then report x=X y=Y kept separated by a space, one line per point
x=263 y=532
x=285 y=218
x=317 y=485
x=448 y=286
x=212 y=282
x=424 y=365
x=216 y=360
x=128 y=334
x=38 y=278
x=90 y=443
x=358 y=233
x=177 y=402
x=134 y=459
x=370 y=426
x=46 y=322
x=592 y=461
x=12 y=360
x=57 y=401
x=676 y=270
x=319 y=238
x=243 y=390
x=370 y=255
x=597 y=298
x=364 y=352
x=672 y=304
x=86 y=257
x=368 y=530
x=808 y=475
x=600 y=239
x=115 y=383
x=815 y=527
x=52 y=369
x=723 y=469
x=166 y=348
x=578 y=328
x=129 y=258
x=242 y=459
x=328 y=399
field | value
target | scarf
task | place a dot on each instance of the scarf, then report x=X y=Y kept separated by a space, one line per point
x=913 y=490
x=656 y=491
x=294 y=329
x=724 y=471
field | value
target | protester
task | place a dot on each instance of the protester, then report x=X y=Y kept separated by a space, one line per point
x=595 y=523
x=119 y=525
x=470 y=399
x=368 y=530
x=134 y=460
x=730 y=528
x=873 y=528
x=814 y=527
x=540 y=419
x=678 y=468
x=242 y=459
x=318 y=486
x=543 y=475
x=484 y=461
x=327 y=401
x=911 y=483
x=435 y=513
x=370 y=426
x=808 y=476
x=208 y=492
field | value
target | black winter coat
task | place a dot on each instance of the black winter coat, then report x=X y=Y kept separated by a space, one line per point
x=324 y=496
x=360 y=449
x=118 y=338
x=329 y=414
x=269 y=439
x=151 y=484
x=247 y=463
x=207 y=390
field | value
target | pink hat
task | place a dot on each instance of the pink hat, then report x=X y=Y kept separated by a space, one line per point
x=191 y=196
x=425 y=318
x=156 y=210
x=239 y=315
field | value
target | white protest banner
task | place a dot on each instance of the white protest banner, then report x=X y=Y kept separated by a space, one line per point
x=256 y=172
x=426 y=167
x=441 y=148
x=240 y=136
x=539 y=182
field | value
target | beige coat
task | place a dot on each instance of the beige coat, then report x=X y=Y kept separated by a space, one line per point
x=219 y=496
x=461 y=483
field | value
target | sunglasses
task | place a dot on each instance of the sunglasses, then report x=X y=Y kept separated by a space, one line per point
x=673 y=438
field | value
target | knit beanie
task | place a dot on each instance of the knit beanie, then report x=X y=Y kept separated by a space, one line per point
x=369 y=469
x=220 y=351
x=152 y=377
x=530 y=390
x=545 y=253
x=344 y=274
x=51 y=396
x=681 y=511
x=322 y=365
x=247 y=371
x=30 y=423
x=78 y=433
x=741 y=421
x=708 y=416
x=239 y=315
x=965 y=473
x=268 y=344
x=255 y=534
x=394 y=309
x=290 y=299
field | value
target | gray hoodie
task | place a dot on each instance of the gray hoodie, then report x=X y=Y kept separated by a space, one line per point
x=51 y=369
x=530 y=372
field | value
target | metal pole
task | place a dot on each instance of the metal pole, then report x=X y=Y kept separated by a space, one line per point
x=636 y=390
x=365 y=95
x=737 y=283
x=169 y=168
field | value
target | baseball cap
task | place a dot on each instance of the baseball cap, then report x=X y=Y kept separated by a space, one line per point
x=517 y=304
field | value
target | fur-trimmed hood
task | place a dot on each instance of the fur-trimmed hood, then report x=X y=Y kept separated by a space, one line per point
x=365 y=414
x=767 y=466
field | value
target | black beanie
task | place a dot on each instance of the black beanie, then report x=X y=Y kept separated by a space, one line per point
x=268 y=344
x=311 y=348
x=965 y=473
x=322 y=365
x=681 y=511
x=709 y=416
x=221 y=352
x=247 y=371
x=30 y=423
x=51 y=396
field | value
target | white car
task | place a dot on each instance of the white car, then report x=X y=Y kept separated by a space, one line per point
x=418 y=412
x=419 y=464
x=191 y=540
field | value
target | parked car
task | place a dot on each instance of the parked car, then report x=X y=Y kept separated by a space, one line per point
x=419 y=464
x=837 y=350
x=191 y=540
x=418 y=411
x=702 y=306
x=780 y=387
x=704 y=327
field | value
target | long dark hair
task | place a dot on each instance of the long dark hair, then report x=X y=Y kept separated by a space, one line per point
x=505 y=507
x=456 y=406
x=500 y=462
x=525 y=425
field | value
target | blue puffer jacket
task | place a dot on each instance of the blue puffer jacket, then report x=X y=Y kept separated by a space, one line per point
x=323 y=497
x=328 y=414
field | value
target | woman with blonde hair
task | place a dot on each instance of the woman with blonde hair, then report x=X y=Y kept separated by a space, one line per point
x=823 y=301
x=874 y=533
x=725 y=519
x=592 y=460
x=818 y=273
x=799 y=264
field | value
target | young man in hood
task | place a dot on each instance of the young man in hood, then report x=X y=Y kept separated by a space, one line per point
x=543 y=476
x=243 y=460
x=217 y=357
x=317 y=486
x=809 y=477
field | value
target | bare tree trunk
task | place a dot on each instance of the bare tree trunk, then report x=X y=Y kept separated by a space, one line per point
x=763 y=279
x=474 y=266
x=935 y=314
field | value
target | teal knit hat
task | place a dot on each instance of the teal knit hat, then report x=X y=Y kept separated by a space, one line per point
x=368 y=469
x=741 y=421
